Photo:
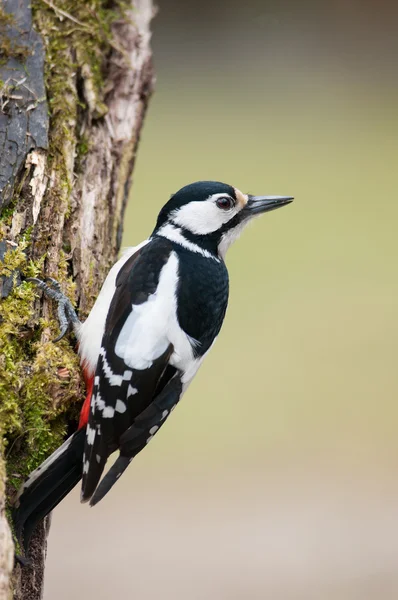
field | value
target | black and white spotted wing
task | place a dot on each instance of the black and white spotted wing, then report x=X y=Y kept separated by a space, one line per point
x=136 y=437
x=124 y=393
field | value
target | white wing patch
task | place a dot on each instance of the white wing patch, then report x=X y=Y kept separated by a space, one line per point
x=152 y=326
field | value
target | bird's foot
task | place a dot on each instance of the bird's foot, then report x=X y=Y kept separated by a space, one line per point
x=67 y=316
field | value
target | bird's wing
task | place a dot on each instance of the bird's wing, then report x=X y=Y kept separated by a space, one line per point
x=137 y=436
x=133 y=362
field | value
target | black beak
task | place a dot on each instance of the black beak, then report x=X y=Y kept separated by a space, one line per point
x=260 y=204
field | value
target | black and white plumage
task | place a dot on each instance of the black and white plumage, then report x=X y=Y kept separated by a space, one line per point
x=160 y=310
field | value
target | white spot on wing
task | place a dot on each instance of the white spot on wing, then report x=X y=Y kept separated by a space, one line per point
x=108 y=412
x=99 y=402
x=86 y=465
x=152 y=431
x=90 y=435
x=120 y=406
x=131 y=391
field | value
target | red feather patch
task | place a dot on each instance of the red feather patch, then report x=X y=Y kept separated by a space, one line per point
x=84 y=413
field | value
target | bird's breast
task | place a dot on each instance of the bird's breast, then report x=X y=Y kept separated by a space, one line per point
x=202 y=299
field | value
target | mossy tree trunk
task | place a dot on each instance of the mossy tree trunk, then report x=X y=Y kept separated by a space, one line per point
x=75 y=78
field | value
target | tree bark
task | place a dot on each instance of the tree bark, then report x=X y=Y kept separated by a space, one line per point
x=75 y=79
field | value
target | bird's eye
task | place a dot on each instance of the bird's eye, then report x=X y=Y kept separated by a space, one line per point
x=224 y=202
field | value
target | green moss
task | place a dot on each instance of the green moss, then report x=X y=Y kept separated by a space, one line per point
x=83 y=146
x=6 y=214
x=40 y=387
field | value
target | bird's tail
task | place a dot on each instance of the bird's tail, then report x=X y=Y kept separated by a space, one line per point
x=119 y=466
x=47 y=486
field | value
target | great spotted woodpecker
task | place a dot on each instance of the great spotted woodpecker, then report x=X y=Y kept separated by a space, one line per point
x=158 y=314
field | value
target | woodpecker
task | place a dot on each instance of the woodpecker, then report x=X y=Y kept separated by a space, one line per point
x=156 y=317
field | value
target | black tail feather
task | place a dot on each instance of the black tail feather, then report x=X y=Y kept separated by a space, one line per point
x=47 y=486
x=120 y=465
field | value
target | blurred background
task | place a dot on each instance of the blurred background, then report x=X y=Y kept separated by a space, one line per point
x=277 y=475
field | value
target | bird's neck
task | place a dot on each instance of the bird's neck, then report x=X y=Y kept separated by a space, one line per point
x=206 y=245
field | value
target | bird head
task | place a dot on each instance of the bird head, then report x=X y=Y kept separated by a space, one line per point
x=212 y=214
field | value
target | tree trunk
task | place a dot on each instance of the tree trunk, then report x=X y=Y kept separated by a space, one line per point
x=75 y=82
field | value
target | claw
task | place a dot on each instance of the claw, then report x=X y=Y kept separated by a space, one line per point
x=63 y=322
x=65 y=311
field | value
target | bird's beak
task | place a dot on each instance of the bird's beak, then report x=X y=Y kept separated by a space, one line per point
x=260 y=204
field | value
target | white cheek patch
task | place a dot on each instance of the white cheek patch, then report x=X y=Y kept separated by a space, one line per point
x=203 y=217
